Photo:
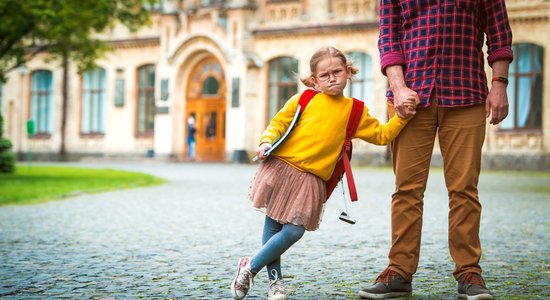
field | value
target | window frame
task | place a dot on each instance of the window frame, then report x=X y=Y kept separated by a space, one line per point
x=277 y=83
x=362 y=78
x=149 y=100
x=513 y=89
x=43 y=129
x=99 y=90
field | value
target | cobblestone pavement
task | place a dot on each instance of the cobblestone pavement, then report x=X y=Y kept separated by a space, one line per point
x=183 y=239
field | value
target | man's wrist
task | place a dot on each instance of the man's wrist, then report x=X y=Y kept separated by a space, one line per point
x=500 y=79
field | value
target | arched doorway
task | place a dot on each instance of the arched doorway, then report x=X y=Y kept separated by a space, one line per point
x=206 y=105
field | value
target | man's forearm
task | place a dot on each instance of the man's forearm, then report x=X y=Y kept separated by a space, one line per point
x=500 y=68
x=396 y=77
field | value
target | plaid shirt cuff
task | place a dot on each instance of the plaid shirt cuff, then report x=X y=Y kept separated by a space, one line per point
x=500 y=54
x=391 y=59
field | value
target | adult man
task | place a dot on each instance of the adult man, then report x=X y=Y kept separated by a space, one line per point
x=432 y=51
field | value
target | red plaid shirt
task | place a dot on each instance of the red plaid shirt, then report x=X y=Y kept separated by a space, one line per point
x=439 y=44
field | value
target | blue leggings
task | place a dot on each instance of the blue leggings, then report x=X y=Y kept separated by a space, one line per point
x=276 y=239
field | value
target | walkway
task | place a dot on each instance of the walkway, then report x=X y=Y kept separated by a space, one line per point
x=182 y=240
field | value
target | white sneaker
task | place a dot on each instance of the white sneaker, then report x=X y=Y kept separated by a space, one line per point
x=277 y=289
x=243 y=280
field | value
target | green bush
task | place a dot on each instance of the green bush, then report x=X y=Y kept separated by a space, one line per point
x=7 y=158
x=7 y=162
x=5 y=145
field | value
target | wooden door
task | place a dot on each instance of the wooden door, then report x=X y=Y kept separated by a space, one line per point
x=207 y=104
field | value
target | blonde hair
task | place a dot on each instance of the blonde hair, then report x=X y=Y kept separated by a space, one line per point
x=322 y=53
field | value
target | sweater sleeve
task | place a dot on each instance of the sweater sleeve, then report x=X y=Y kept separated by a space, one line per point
x=281 y=121
x=372 y=131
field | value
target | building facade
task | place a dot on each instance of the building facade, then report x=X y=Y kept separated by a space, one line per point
x=230 y=66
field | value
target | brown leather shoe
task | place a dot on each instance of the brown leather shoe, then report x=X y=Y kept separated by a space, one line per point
x=471 y=286
x=388 y=285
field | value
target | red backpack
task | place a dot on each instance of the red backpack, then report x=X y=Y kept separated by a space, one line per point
x=343 y=165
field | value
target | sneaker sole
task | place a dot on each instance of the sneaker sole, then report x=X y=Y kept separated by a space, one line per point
x=476 y=297
x=368 y=295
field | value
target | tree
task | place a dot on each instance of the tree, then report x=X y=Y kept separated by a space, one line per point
x=66 y=30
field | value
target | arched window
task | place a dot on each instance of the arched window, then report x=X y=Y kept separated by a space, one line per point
x=210 y=86
x=146 y=100
x=525 y=88
x=41 y=101
x=362 y=84
x=207 y=80
x=283 y=83
x=93 y=101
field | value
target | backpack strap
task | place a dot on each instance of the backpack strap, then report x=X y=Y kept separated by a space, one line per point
x=306 y=96
x=353 y=123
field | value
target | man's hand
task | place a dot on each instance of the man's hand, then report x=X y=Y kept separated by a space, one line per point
x=496 y=106
x=405 y=101
x=260 y=153
x=401 y=93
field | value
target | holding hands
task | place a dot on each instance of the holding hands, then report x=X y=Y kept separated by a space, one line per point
x=405 y=102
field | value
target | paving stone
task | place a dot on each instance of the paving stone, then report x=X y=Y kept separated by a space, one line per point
x=182 y=240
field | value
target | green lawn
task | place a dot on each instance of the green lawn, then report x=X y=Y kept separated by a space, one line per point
x=37 y=184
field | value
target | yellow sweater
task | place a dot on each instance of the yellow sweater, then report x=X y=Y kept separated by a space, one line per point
x=315 y=144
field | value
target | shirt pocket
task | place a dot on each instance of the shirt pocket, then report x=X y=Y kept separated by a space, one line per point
x=468 y=5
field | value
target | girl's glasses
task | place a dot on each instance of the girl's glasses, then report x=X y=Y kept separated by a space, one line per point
x=325 y=76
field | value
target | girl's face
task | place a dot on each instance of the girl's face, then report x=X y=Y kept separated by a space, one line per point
x=331 y=76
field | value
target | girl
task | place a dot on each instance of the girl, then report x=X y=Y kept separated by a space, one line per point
x=290 y=183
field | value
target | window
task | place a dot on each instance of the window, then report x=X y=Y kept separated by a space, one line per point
x=235 y=91
x=525 y=88
x=362 y=84
x=146 y=100
x=211 y=125
x=164 y=89
x=119 y=92
x=41 y=102
x=283 y=83
x=93 y=102
x=210 y=86
x=206 y=3
x=207 y=80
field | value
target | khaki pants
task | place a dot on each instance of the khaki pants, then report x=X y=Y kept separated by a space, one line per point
x=461 y=132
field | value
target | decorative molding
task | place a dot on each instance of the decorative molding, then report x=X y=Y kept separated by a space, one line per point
x=134 y=43
x=314 y=29
x=528 y=11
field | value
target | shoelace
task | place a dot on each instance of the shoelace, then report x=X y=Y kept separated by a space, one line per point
x=243 y=280
x=473 y=278
x=386 y=275
x=277 y=287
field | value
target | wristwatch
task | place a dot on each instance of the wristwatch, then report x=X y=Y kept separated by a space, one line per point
x=500 y=79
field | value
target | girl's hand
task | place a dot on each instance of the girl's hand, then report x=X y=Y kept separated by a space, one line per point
x=260 y=153
x=410 y=106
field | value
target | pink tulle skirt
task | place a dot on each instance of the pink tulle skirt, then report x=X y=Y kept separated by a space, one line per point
x=288 y=195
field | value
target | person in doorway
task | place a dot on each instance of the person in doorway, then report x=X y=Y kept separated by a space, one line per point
x=191 y=131
x=289 y=185
x=433 y=50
